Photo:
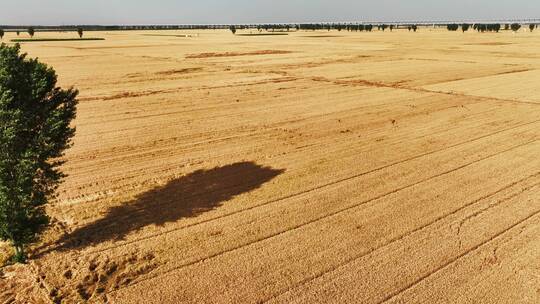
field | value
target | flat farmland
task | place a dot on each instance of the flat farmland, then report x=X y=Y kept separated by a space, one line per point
x=314 y=167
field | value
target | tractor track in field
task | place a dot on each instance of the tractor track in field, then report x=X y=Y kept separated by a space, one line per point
x=414 y=231
x=318 y=219
x=462 y=255
x=311 y=190
x=153 y=152
x=68 y=201
x=367 y=83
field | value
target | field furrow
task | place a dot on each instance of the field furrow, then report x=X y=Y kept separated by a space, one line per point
x=310 y=167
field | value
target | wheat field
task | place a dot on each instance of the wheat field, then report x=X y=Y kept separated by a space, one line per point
x=313 y=167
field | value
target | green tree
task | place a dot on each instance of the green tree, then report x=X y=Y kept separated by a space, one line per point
x=31 y=31
x=233 y=29
x=496 y=27
x=465 y=27
x=452 y=27
x=80 y=32
x=1 y=34
x=515 y=27
x=35 y=129
x=531 y=27
x=18 y=33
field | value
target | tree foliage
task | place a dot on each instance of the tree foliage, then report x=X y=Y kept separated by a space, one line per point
x=515 y=27
x=359 y=27
x=465 y=27
x=80 y=32
x=31 y=31
x=232 y=28
x=491 y=27
x=532 y=27
x=452 y=27
x=1 y=34
x=35 y=118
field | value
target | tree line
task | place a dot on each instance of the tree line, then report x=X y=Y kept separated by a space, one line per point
x=32 y=31
x=352 y=27
x=260 y=27
x=488 y=27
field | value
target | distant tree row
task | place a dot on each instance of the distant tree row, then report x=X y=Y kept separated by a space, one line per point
x=490 y=27
x=278 y=27
x=260 y=27
x=322 y=26
x=267 y=27
x=233 y=28
x=383 y=27
x=270 y=27
x=31 y=32
x=352 y=27
x=359 y=27
x=493 y=27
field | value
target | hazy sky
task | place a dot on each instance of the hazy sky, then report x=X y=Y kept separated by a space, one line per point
x=58 y=12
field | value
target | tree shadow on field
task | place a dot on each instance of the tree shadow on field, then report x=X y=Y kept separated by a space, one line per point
x=188 y=196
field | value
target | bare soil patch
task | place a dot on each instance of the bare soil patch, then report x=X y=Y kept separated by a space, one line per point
x=235 y=54
x=179 y=71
